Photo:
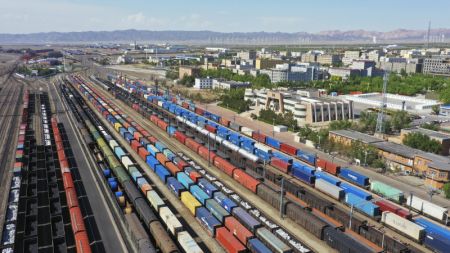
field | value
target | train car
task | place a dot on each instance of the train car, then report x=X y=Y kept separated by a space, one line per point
x=387 y=191
x=354 y=177
x=403 y=226
x=427 y=208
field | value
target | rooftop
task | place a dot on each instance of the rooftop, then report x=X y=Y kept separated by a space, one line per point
x=431 y=133
x=354 y=135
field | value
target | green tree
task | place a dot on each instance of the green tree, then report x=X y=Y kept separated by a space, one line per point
x=446 y=190
x=400 y=120
x=422 y=142
x=436 y=109
x=431 y=126
x=234 y=99
x=367 y=121
x=340 y=124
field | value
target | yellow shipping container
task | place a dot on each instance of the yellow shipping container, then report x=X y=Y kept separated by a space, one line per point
x=190 y=201
x=117 y=125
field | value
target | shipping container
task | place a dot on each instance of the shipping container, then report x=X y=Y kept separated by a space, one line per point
x=155 y=200
x=354 y=177
x=207 y=187
x=216 y=210
x=171 y=221
x=228 y=241
x=327 y=177
x=238 y=230
x=387 y=191
x=246 y=180
x=362 y=205
x=190 y=201
x=273 y=142
x=403 y=225
x=272 y=241
x=207 y=220
x=288 y=149
x=256 y=246
x=246 y=219
x=281 y=165
x=187 y=243
x=391 y=207
x=328 y=188
x=199 y=194
x=355 y=190
x=427 y=208
x=224 y=201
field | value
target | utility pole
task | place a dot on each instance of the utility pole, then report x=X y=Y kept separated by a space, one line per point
x=380 y=124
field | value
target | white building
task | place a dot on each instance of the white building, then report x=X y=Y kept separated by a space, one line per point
x=395 y=102
x=226 y=85
x=305 y=105
x=203 y=83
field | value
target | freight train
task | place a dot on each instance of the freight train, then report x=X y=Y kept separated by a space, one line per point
x=354 y=195
x=251 y=184
x=165 y=169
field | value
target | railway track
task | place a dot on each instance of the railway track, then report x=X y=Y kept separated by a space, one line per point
x=10 y=100
x=311 y=241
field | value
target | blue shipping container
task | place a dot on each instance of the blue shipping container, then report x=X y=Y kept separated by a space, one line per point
x=224 y=201
x=307 y=157
x=354 y=177
x=366 y=207
x=199 y=194
x=300 y=174
x=207 y=220
x=160 y=146
x=119 y=152
x=246 y=219
x=437 y=242
x=162 y=172
x=305 y=168
x=171 y=130
x=255 y=245
x=431 y=227
x=185 y=180
x=355 y=190
x=129 y=137
x=325 y=176
x=207 y=187
x=272 y=142
x=282 y=157
x=175 y=186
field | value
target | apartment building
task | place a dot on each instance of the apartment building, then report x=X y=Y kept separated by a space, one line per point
x=437 y=65
x=328 y=59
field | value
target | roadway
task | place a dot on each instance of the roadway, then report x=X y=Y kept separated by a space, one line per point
x=288 y=137
x=294 y=229
x=107 y=225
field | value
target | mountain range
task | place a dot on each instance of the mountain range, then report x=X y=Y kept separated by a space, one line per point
x=221 y=38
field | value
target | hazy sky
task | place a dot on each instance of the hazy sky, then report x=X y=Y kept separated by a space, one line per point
x=27 y=16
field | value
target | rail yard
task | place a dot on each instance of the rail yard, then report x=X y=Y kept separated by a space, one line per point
x=93 y=161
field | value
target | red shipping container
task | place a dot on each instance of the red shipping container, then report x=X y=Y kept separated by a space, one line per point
x=228 y=241
x=185 y=105
x=199 y=111
x=71 y=197
x=194 y=175
x=181 y=164
x=224 y=165
x=203 y=152
x=137 y=135
x=64 y=164
x=280 y=165
x=224 y=121
x=321 y=163
x=386 y=206
x=61 y=155
x=237 y=229
x=180 y=136
x=210 y=128
x=67 y=181
x=143 y=153
x=190 y=143
x=152 y=139
x=404 y=213
x=163 y=125
x=161 y=158
x=259 y=136
x=333 y=168
x=288 y=149
x=145 y=133
x=172 y=168
x=76 y=219
x=59 y=146
x=246 y=180
x=135 y=145
x=154 y=119
x=105 y=114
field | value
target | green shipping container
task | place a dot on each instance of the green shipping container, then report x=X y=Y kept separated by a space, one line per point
x=387 y=191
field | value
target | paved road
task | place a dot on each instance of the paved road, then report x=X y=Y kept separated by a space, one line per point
x=111 y=236
x=288 y=137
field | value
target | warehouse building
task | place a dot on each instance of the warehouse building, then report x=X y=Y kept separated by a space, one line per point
x=434 y=167
x=306 y=106
x=442 y=138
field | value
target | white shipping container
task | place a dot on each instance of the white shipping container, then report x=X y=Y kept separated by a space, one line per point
x=126 y=161
x=280 y=129
x=247 y=131
x=403 y=225
x=172 y=223
x=188 y=243
x=160 y=103
x=263 y=147
x=113 y=144
x=328 y=188
x=154 y=199
x=427 y=207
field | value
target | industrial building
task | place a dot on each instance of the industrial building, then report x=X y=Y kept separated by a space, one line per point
x=266 y=63
x=211 y=83
x=438 y=65
x=328 y=59
x=290 y=72
x=306 y=106
x=395 y=102
x=442 y=138
x=434 y=167
x=188 y=71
